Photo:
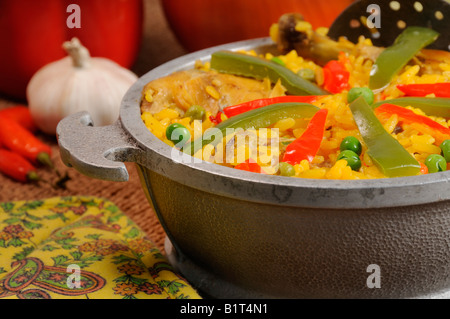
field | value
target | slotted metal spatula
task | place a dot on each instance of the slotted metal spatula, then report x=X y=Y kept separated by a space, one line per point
x=384 y=20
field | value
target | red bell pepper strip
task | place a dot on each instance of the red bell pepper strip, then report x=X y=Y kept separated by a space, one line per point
x=17 y=167
x=423 y=168
x=427 y=125
x=438 y=89
x=21 y=114
x=249 y=166
x=216 y=119
x=307 y=145
x=18 y=139
x=234 y=110
x=335 y=77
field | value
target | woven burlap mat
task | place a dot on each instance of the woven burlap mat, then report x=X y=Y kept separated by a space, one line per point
x=128 y=196
x=158 y=46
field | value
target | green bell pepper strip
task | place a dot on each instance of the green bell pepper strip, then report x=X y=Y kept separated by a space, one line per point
x=386 y=152
x=255 y=67
x=395 y=57
x=435 y=106
x=258 y=118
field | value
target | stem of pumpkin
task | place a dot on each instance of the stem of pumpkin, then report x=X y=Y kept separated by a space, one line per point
x=79 y=54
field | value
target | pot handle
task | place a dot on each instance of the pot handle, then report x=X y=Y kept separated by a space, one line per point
x=98 y=152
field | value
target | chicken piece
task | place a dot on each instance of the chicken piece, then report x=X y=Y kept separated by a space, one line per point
x=294 y=33
x=430 y=61
x=209 y=89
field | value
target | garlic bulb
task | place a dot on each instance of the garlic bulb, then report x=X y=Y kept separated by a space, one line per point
x=77 y=83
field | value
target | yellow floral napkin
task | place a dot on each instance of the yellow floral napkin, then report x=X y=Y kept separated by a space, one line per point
x=81 y=247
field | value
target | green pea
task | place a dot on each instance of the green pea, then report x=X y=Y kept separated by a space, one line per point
x=352 y=159
x=445 y=147
x=286 y=169
x=351 y=143
x=178 y=134
x=436 y=163
x=278 y=61
x=356 y=92
x=307 y=74
x=196 y=112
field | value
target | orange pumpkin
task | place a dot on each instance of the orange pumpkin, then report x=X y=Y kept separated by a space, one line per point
x=32 y=33
x=199 y=24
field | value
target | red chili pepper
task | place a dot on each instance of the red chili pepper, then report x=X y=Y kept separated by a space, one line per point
x=21 y=114
x=18 y=139
x=234 y=110
x=335 y=77
x=424 y=123
x=438 y=89
x=307 y=145
x=17 y=167
x=249 y=166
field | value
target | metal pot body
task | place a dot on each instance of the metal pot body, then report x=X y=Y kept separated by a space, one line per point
x=230 y=248
x=243 y=235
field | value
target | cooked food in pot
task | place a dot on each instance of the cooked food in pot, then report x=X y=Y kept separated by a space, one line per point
x=347 y=111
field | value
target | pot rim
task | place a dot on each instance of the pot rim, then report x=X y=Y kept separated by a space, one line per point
x=373 y=193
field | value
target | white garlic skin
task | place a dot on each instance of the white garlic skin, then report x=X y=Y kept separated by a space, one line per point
x=60 y=89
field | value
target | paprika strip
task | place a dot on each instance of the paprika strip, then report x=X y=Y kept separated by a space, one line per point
x=17 y=167
x=307 y=145
x=18 y=139
x=20 y=114
x=335 y=77
x=436 y=106
x=217 y=119
x=422 y=123
x=234 y=110
x=249 y=166
x=438 y=89
x=423 y=168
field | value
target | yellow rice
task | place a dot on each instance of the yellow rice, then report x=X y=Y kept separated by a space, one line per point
x=340 y=122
